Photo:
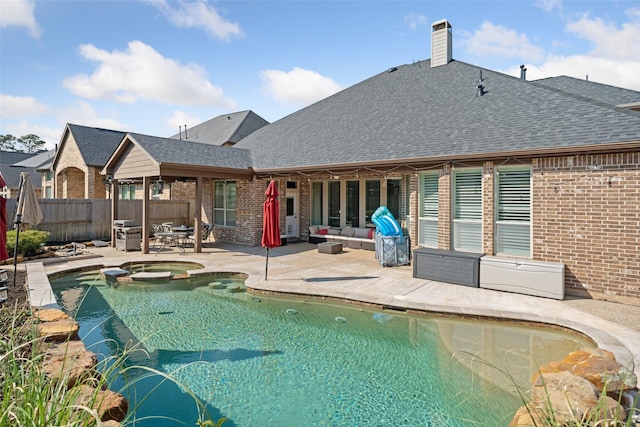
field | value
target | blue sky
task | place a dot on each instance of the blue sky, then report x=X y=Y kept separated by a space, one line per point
x=150 y=66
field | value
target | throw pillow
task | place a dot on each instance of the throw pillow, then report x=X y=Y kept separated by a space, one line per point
x=362 y=233
x=313 y=229
x=372 y=232
x=323 y=231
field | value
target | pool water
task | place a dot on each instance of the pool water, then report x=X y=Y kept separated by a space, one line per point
x=262 y=361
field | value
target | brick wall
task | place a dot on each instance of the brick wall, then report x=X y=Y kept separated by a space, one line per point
x=586 y=214
x=487 y=208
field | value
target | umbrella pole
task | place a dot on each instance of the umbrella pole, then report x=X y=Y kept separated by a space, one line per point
x=266 y=265
x=15 y=249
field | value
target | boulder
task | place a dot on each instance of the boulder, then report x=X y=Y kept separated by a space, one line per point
x=59 y=330
x=570 y=397
x=108 y=404
x=70 y=362
x=597 y=366
x=50 y=315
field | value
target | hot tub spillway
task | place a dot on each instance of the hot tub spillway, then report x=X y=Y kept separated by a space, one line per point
x=111 y=274
x=115 y=276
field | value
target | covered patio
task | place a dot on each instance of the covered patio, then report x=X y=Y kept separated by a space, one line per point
x=153 y=160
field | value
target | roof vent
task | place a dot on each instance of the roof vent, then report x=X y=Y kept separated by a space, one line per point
x=480 y=88
x=392 y=69
x=441 y=41
x=523 y=72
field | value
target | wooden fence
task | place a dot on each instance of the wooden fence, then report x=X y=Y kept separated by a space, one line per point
x=79 y=220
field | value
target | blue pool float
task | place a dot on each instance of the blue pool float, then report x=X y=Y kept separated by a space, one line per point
x=385 y=222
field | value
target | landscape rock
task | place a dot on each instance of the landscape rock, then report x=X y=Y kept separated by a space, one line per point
x=59 y=330
x=108 y=404
x=70 y=362
x=50 y=315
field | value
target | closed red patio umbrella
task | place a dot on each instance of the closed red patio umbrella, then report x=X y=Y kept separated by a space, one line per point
x=3 y=223
x=270 y=222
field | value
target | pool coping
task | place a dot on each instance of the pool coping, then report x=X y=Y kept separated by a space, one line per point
x=413 y=294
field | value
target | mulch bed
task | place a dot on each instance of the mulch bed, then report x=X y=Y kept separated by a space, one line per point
x=18 y=293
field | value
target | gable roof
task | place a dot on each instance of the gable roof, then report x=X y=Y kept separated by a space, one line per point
x=95 y=144
x=224 y=129
x=597 y=91
x=414 y=112
x=170 y=157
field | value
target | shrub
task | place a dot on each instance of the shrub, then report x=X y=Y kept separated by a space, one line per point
x=30 y=243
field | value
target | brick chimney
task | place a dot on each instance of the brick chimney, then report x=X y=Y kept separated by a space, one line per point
x=441 y=43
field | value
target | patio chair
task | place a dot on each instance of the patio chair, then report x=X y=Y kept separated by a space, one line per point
x=205 y=231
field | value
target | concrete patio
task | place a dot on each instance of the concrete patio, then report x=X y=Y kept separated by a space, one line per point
x=356 y=276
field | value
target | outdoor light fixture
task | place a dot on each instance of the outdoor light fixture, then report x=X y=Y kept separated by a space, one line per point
x=107 y=180
x=159 y=185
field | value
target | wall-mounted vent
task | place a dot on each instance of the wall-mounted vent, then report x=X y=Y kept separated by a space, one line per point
x=441 y=41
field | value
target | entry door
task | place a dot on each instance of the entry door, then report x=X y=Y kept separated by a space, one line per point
x=293 y=223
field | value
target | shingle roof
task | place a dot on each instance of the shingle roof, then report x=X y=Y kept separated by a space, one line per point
x=39 y=161
x=419 y=112
x=167 y=150
x=589 y=89
x=227 y=128
x=96 y=145
x=11 y=174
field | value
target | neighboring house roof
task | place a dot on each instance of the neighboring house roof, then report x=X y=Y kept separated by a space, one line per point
x=96 y=145
x=414 y=112
x=11 y=174
x=597 y=91
x=224 y=129
x=40 y=161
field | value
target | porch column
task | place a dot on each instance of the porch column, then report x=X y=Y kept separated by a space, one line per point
x=115 y=195
x=145 y=215
x=197 y=227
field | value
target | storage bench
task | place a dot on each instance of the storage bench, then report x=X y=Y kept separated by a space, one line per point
x=460 y=268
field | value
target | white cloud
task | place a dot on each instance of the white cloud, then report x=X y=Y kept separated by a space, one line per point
x=298 y=86
x=51 y=136
x=500 y=41
x=83 y=113
x=198 y=15
x=20 y=106
x=19 y=13
x=413 y=20
x=181 y=119
x=609 y=41
x=141 y=73
x=601 y=70
x=549 y=5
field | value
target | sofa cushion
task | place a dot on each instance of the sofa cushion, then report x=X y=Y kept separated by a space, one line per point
x=334 y=231
x=313 y=229
x=362 y=233
x=372 y=233
x=347 y=232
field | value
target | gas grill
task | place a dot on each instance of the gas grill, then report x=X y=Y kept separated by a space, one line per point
x=128 y=235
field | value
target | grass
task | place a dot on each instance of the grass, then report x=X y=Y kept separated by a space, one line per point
x=29 y=398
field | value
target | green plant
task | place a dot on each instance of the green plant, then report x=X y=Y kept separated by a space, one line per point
x=29 y=398
x=29 y=244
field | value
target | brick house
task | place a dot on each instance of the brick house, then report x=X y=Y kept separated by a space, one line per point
x=468 y=159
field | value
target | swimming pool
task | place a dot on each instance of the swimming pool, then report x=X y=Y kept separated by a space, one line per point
x=274 y=361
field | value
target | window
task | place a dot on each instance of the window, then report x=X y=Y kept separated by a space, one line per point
x=372 y=200
x=513 y=211
x=127 y=191
x=334 y=203
x=394 y=197
x=48 y=192
x=225 y=204
x=48 y=176
x=428 y=214
x=353 y=204
x=467 y=210
x=316 y=203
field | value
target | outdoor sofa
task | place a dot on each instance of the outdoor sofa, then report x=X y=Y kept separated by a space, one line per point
x=350 y=237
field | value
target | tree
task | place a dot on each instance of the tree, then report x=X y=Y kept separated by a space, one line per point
x=7 y=142
x=32 y=143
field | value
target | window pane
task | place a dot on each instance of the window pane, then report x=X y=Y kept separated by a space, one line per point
x=219 y=217
x=290 y=210
x=394 y=197
x=428 y=232
x=334 y=203
x=316 y=203
x=372 y=200
x=231 y=218
x=429 y=196
x=219 y=197
x=467 y=236
x=513 y=217
x=353 y=204
x=513 y=239
x=231 y=195
x=468 y=195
